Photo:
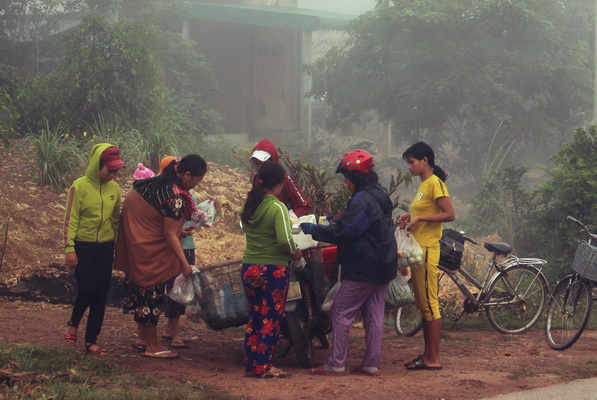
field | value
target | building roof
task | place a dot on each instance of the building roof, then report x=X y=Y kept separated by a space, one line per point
x=271 y=17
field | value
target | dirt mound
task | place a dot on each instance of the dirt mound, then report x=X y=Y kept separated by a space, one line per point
x=33 y=215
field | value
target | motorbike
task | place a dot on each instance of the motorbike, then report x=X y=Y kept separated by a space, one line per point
x=304 y=320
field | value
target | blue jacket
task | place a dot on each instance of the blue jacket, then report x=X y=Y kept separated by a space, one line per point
x=365 y=237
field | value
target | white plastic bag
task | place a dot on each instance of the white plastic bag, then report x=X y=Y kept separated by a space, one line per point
x=204 y=216
x=303 y=240
x=410 y=253
x=183 y=291
x=400 y=235
x=209 y=208
x=329 y=298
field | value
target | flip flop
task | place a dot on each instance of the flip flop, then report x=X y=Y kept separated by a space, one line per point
x=419 y=364
x=359 y=370
x=165 y=354
x=179 y=344
x=167 y=337
x=139 y=347
x=274 y=373
x=413 y=361
x=321 y=370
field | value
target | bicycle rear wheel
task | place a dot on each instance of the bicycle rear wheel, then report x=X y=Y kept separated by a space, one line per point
x=568 y=313
x=520 y=293
x=408 y=319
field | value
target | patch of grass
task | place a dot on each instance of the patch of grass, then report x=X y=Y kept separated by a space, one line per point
x=37 y=373
x=55 y=158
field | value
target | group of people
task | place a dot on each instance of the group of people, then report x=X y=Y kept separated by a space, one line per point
x=367 y=252
x=149 y=228
x=149 y=249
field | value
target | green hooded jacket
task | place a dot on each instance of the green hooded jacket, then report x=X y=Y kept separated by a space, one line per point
x=92 y=206
x=268 y=234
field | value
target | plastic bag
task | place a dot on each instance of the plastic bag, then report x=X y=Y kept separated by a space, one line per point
x=204 y=216
x=209 y=208
x=329 y=298
x=400 y=235
x=399 y=293
x=410 y=253
x=183 y=291
x=194 y=313
x=297 y=265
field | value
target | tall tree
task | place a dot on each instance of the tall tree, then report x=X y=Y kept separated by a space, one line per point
x=26 y=24
x=479 y=74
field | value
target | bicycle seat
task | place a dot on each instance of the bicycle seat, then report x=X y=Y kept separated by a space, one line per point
x=501 y=249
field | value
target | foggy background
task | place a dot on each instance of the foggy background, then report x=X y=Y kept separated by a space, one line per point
x=343 y=6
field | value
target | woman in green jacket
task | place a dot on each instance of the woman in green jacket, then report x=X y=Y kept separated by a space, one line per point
x=90 y=225
x=270 y=246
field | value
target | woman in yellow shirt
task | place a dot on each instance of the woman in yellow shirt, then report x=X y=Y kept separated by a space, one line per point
x=429 y=209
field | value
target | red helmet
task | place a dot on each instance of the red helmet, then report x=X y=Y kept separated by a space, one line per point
x=356 y=160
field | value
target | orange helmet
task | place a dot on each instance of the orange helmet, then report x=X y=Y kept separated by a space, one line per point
x=356 y=160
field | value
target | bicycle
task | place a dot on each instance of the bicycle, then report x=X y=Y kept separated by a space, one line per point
x=572 y=299
x=513 y=297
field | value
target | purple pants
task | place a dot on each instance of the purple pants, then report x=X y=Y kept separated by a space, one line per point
x=351 y=298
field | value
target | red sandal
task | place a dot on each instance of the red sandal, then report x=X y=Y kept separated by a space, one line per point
x=69 y=337
x=99 y=351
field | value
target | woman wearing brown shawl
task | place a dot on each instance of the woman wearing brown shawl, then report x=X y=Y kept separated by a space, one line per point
x=149 y=248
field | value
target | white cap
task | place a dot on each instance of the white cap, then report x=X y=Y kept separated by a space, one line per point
x=261 y=155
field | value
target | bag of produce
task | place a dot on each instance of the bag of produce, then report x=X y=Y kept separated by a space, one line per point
x=410 y=253
x=399 y=293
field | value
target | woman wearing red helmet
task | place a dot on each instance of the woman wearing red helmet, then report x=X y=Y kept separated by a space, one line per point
x=368 y=255
x=429 y=209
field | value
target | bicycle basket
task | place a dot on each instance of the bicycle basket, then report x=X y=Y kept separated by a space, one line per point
x=451 y=247
x=585 y=260
x=222 y=298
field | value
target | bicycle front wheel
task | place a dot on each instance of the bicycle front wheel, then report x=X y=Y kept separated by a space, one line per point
x=408 y=319
x=516 y=299
x=568 y=313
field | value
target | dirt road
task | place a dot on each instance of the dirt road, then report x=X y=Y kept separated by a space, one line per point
x=476 y=364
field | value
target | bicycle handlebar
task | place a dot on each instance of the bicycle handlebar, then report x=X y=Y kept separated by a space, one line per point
x=570 y=218
x=469 y=239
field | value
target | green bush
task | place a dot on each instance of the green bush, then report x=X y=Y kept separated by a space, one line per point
x=571 y=190
x=534 y=219
x=56 y=158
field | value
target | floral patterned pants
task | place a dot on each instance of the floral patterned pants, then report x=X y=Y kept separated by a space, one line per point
x=266 y=287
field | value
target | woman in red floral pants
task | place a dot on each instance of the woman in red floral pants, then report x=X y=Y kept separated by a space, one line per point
x=265 y=268
x=266 y=287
